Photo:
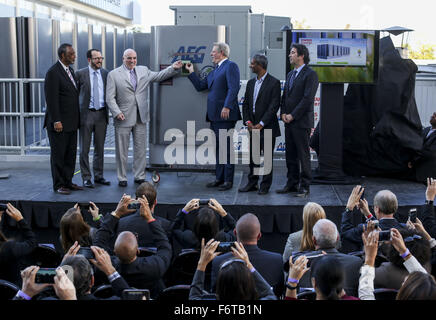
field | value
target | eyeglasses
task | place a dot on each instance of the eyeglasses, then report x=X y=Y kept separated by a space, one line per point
x=225 y=264
x=98 y=58
x=411 y=238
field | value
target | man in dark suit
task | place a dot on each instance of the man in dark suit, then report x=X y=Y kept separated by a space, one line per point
x=325 y=238
x=62 y=119
x=222 y=108
x=135 y=223
x=259 y=110
x=423 y=165
x=297 y=114
x=268 y=264
x=93 y=117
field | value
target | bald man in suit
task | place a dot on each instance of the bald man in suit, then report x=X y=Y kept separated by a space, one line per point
x=126 y=97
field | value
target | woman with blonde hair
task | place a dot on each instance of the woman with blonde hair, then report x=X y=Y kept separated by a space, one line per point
x=302 y=240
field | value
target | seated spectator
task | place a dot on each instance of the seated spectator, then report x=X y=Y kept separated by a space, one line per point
x=325 y=238
x=427 y=214
x=206 y=224
x=423 y=164
x=367 y=272
x=137 y=224
x=13 y=252
x=302 y=240
x=269 y=264
x=418 y=286
x=385 y=206
x=237 y=278
x=74 y=228
x=62 y=286
x=327 y=275
x=139 y=272
x=392 y=274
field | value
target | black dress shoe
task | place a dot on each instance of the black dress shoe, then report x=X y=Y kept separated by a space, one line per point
x=214 y=184
x=303 y=193
x=63 y=190
x=287 y=189
x=88 y=184
x=226 y=186
x=74 y=187
x=122 y=183
x=262 y=191
x=248 y=187
x=139 y=181
x=102 y=181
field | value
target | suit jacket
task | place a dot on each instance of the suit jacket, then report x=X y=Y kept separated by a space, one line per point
x=135 y=223
x=223 y=85
x=292 y=244
x=121 y=98
x=268 y=264
x=350 y=263
x=299 y=100
x=85 y=92
x=425 y=161
x=62 y=99
x=267 y=104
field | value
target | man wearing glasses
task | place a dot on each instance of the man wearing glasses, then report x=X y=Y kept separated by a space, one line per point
x=93 y=117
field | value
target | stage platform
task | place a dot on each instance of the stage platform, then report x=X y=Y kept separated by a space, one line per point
x=29 y=187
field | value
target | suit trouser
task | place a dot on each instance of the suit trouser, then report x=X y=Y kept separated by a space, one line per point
x=95 y=122
x=298 y=156
x=63 y=149
x=224 y=171
x=122 y=139
x=252 y=178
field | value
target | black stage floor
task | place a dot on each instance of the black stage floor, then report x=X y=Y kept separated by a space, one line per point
x=29 y=187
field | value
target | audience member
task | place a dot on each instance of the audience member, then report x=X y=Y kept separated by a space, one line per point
x=370 y=239
x=139 y=272
x=12 y=252
x=206 y=224
x=302 y=240
x=137 y=224
x=428 y=214
x=325 y=239
x=74 y=228
x=269 y=264
x=327 y=275
x=237 y=278
x=385 y=206
x=418 y=286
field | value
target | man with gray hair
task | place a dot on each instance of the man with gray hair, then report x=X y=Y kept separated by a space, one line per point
x=261 y=103
x=326 y=239
x=222 y=109
x=126 y=97
x=385 y=207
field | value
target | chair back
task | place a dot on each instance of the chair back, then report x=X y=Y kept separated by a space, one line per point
x=175 y=293
x=385 y=294
x=7 y=290
x=306 y=294
x=146 y=251
x=44 y=256
x=104 y=291
x=183 y=268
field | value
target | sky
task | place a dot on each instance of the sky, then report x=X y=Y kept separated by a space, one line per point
x=419 y=15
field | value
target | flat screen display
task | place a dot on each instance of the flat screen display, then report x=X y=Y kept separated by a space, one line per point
x=341 y=56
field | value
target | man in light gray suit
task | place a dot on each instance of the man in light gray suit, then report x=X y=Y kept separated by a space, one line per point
x=126 y=97
x=93 y=117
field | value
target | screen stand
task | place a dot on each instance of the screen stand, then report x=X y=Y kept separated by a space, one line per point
x=330 y=136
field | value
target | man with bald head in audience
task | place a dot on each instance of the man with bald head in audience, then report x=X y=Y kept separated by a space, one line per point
x=126 y=97
x=139 y=272
x=268 y=264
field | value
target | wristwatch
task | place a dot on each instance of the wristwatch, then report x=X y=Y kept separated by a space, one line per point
x=428 y=201
x=291 y=287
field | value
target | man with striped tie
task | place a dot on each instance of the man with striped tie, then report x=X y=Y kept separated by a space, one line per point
x=93 y=117
x=62 y=119
x=126 y=97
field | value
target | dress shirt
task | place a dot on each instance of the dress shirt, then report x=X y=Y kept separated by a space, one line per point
x=257 y=86
x=67 y=70
x=100 y=89
x=221 y=62
x=430 y=132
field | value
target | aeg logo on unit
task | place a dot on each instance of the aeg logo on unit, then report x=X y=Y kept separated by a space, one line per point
x=192 y=53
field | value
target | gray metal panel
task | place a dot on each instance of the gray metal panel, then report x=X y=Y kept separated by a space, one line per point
x=82 y=45
x=277 y=63
x=97 y=37
x=109 y=48
x=257 y=33
x=141 y=44
x=129 y=39
x=274 y=24
x=44 y=47
x=169 y=102
x=8 y=50
x=65 y=32
x=119 y=46
x=7 y=11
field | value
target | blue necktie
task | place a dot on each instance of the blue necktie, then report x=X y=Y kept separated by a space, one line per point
x=95 y=91
x=291 y=80
x=133 y=79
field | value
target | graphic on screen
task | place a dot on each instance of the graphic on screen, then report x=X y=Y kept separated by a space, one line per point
x=341 y=55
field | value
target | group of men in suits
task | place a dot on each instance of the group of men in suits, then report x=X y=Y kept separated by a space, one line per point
x=82 y=100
